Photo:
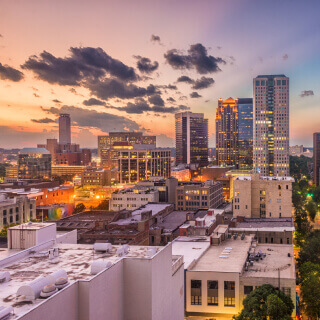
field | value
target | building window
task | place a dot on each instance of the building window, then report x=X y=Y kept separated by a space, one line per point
x=212 y=293
x=196 y=292
x=247 y=290
x=288 y=241
x=229 y=294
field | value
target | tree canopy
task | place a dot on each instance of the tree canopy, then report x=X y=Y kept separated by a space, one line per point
x=264 y=303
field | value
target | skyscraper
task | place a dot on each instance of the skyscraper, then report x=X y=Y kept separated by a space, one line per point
x=227 y=132
x=191 y=138
x=316 y=158
x=245 y=133
x=271 y=125
x=64 y=129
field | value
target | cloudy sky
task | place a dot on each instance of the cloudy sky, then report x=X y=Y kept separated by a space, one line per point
x=130 y=65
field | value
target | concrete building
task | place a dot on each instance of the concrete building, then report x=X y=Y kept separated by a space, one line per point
x=266 y=230
x=34 y=163
x=316 y=158
x=191 y=138
x=219 y=276
x=271 y=125
x=95 y=177
x=64 y=128
x=141 y=162
x=106 y=142
x=227 y=146
x=296 y=150
x=17 y=209
x=262 y=197
x=94 y=282
x=202 y=223
x=67 y=170
x=133 y=198
x=203 y=195
x=181 y=173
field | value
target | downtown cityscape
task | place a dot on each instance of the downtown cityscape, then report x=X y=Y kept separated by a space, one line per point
x=159 y=160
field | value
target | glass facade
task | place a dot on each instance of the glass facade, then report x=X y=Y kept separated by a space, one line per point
x=34 y=166
x=245 y=137
x=191 y=139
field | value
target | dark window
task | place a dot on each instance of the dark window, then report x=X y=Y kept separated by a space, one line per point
x=257 y=83
x=284 y=82
x=287 y=291
x=4 y=221
x=288 y=241
x=196 y=292
x=212 y=293
x=248 y=289
x=229 y=294
x=4 y=213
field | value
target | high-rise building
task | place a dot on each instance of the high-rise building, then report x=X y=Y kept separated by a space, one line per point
x=34 y=163
x=271 y=125
x=316 y=158
x=143 y=162
x=191 y=138
x=106 y=142
x=245 y=133
x=64 y=128
x=227 y=132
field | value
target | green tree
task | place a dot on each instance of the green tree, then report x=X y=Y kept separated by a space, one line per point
x=309 y=274
x=258 y=305
x=312 y=209
x=310 y=251
x=79 y=208
x=103 y=205
x=303 y=227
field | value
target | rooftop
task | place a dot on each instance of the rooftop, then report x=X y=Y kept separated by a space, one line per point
x=171 y=221
x=136 y=214
x=272 y=76
x=274 y=178
x=34 y=151
x=217 y=258
x=277 y=258
x=31 y=226
x=270 y=224
x=75 y=259
x=191 y=248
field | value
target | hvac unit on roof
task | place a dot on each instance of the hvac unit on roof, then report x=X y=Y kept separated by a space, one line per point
x=99 y=265
x=102 y=246
x=5 y=312
x=120 y=252
x=32 y=290
x=48 y=291
x=151 y=252
x=126 y=248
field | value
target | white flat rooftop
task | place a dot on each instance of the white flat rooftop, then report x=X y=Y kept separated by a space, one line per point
x=190 y=247
x=75 y=259
x=229 y=256
x=32 y=226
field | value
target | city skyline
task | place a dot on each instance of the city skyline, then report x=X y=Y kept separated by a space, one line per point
x=122 y=69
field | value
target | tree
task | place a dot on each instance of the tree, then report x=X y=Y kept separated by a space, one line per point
x=265 y=303
x=79 y=208
x=303 y=227
x=309 y=274
x=312 y=209
x=310 y=251
x=103 y=205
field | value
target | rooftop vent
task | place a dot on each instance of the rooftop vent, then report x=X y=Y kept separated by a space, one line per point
x=99 y=265
x=61 y=283
x=126 y=248
x=151 y=252
x=102 y=246
x=48 y=291
x=4 y=276
x=120 y=252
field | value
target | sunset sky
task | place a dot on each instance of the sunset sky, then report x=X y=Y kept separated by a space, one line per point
x=130 y=65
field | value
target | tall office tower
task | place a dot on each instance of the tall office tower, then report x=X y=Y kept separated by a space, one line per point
x=316 y=158
x=106 y=142
x=191 y=138
x=271 y=125
x=245 y=133
x=64 y=129
x=227 y=132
